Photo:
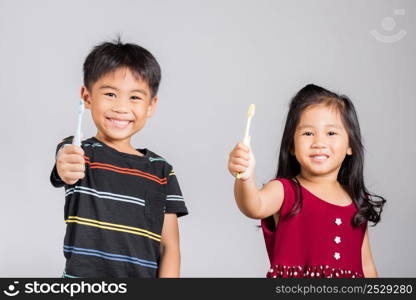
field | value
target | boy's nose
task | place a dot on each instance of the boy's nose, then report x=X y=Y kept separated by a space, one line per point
x=120 y=107
x=120 y=110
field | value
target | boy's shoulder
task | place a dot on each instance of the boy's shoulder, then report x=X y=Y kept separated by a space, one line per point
x=157 y=159
x=154 y=158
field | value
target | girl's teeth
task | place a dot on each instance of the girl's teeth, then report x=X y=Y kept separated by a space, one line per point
x=319 y=157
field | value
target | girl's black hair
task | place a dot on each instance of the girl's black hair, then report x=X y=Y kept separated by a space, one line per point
x=351 y=172
x=109 y=56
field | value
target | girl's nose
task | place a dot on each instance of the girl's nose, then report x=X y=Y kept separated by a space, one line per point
x=318 y=146
x=318 y=142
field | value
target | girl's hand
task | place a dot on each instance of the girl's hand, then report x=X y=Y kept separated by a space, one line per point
x=70 y=164
x=241 y=160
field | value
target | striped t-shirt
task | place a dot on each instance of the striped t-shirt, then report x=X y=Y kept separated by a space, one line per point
x=115 y=214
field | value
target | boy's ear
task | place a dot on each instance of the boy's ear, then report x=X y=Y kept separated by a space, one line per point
x=86 y=96
x=151 y=109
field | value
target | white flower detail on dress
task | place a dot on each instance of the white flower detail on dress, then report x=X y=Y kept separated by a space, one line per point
x=338 y=221
x=337 y=240
x=337 y=255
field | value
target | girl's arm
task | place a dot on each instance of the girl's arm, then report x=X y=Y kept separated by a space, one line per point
x=170 y=258
x=369 y=267
x=254 y=203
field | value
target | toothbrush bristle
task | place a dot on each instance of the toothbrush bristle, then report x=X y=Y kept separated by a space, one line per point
x=251 y=110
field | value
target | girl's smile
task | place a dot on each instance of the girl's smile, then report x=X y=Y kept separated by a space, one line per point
x=319 y=158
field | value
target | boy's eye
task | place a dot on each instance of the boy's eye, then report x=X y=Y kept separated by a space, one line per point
x=135 y=98
x=112 y=95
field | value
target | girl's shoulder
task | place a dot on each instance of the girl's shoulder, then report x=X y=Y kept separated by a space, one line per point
x=288 y=187
x=288 y=184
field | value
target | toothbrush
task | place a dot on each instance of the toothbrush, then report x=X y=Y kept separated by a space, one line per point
x=77 y=137
x=247 y=137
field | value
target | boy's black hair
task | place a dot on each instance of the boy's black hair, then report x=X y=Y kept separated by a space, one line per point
x=109 y=56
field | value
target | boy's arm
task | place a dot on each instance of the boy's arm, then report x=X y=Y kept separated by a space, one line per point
x=369 y=267
x=169 y=247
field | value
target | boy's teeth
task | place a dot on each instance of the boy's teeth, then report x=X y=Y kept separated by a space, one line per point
x=119 y=122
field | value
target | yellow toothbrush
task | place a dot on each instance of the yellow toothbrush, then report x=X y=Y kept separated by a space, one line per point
x=247 y=137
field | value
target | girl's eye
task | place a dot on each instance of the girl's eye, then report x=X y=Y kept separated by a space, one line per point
x=307 y=133
x=332 y=133
x=112 y=95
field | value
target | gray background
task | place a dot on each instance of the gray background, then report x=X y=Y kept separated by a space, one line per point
x=217 y=57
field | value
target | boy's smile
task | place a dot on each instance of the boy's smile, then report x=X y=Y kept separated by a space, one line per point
x=120 y=104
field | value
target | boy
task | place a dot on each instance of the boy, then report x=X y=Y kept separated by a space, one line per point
x=121 y=203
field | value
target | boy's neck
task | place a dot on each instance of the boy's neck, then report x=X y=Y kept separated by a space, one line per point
x=120 y=145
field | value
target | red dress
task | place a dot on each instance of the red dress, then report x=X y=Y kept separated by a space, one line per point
x=319 y=241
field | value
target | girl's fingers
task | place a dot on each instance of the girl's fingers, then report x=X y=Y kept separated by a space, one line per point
x=239 y=154
x=240 y=162
x=237 y=169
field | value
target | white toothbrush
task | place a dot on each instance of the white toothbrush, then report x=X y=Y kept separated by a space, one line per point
x=77 y=137
x=247 y=137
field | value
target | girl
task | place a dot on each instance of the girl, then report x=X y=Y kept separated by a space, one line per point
x=314 y=214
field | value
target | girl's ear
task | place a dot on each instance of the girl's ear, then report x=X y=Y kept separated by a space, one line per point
x=349 y=151
x=86 y=96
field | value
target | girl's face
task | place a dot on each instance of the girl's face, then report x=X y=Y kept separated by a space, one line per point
x=321 y=141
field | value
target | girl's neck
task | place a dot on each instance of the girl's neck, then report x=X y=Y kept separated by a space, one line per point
x=327 y=179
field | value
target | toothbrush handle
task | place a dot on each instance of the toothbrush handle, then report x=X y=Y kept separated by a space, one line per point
x=77 y=137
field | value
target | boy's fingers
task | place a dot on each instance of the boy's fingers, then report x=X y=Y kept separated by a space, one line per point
x=74 y=159
x=76 y=175
x=242 y=147
x=72 y=149
x=75 y=168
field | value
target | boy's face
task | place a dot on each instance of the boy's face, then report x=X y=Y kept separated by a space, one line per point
x=120 y=104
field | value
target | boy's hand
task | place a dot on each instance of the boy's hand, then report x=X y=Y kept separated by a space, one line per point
x=241 y=161
x=70 y=164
